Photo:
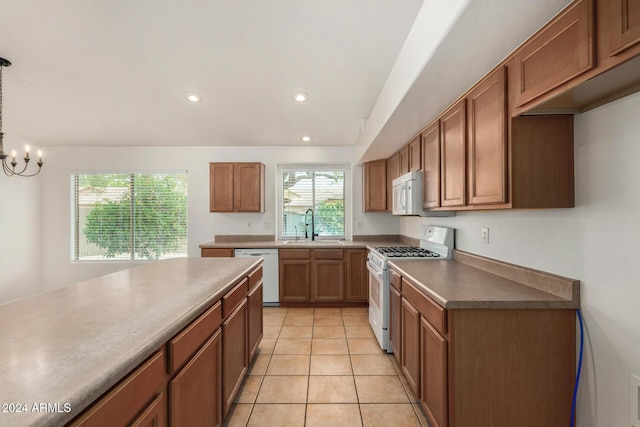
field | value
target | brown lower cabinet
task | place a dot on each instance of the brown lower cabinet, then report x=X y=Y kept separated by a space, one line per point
x=356 y=277
x=410 y=344
x=433 y=378
x=217 y=252
x=327 y=275
x=295 y=275
x=395 y=325
x=234 y=354
x=485 y=367
x=195 y=390
x=155 y=415
x=138 y=393
x=191 y=380
x=254 y=306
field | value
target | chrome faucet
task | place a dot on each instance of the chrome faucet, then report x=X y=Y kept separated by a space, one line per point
x=313 y=225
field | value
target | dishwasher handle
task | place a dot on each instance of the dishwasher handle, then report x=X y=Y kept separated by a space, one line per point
x=251 y=253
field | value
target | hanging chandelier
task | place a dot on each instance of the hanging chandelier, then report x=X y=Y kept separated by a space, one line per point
x=9 y=167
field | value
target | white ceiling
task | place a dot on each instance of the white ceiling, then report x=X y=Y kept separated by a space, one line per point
x=484 y=33
x=113 y=72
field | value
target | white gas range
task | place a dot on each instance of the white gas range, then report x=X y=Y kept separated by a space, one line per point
x=436 y=243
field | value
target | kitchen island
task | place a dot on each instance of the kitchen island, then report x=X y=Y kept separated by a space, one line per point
x=63 y=350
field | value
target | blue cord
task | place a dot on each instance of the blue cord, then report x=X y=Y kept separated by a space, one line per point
x=575 y=388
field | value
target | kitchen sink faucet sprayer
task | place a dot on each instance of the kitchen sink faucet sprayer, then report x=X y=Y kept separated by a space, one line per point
x=313 y=225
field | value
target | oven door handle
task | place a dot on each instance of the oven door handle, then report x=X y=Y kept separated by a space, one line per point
x=374 y=270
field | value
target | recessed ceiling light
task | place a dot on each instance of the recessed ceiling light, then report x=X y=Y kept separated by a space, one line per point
x=306 y=138
x=193 y=97
x=300 y=96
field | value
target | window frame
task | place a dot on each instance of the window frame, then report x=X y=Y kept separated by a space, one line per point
x=346 y=168
x=74 y=217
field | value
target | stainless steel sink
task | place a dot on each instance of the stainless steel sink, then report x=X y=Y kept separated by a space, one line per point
x=314 y=243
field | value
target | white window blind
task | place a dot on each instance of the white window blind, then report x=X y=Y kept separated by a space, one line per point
x=133 y=216
x=323 y=191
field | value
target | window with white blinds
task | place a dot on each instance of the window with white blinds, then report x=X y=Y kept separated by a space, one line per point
x=129 y=216
x=319 y=189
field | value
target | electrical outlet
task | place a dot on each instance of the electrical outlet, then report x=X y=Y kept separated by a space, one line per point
x=248 y=224
x=358 y=225
x=634 y=401
x=485 y=237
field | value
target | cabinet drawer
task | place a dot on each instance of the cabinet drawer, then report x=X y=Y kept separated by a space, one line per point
x=234 y=297
x=217 y=252
x=435 y=314
x=254 y=277
x=395 y=280
x=328 y=254
x=154 y=415
x=187 y=342
x=295 y=253
x=119 y=406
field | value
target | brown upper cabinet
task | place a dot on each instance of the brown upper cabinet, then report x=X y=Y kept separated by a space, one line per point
x=453 y=141
x=236 y=187
x=488 y=160
x=393 y=171
x=487 y=140
x=405 y=161
x=415 y=154
x=431 y=166
x=488 y=151
x=375 y=186
x=410 y=157
x=556 y=54
x=599 y=65
x=464 y=151
x=618 y=29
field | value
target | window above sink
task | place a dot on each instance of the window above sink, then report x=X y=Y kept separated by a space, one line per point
x=322 y=188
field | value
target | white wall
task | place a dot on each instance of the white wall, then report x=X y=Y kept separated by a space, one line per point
x=58 y=270
x=597 y=242
x=20 y=225
x=19 y=237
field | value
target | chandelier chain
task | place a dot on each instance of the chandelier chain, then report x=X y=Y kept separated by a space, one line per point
x=1 y=67
x=9 y=167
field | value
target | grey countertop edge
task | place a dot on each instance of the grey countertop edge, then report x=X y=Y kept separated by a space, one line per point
x=109 y=379
x=554 y=301
x=514 y=305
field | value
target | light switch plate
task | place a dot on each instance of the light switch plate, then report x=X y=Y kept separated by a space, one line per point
x=634 y=401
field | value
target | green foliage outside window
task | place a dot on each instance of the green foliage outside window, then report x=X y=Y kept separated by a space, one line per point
x=147 y=219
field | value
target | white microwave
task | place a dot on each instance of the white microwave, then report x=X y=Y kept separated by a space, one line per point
x=407 y=194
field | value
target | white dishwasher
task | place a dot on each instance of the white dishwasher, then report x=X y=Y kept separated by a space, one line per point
x=270 y=286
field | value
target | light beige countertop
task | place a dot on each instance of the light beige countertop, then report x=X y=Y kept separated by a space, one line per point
x=470 y=281
x=301 y=244
x=71 y=345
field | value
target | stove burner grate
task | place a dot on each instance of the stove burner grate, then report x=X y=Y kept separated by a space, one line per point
x=406 y=252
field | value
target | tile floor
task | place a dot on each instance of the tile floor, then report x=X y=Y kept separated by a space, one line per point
x=323 y=367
